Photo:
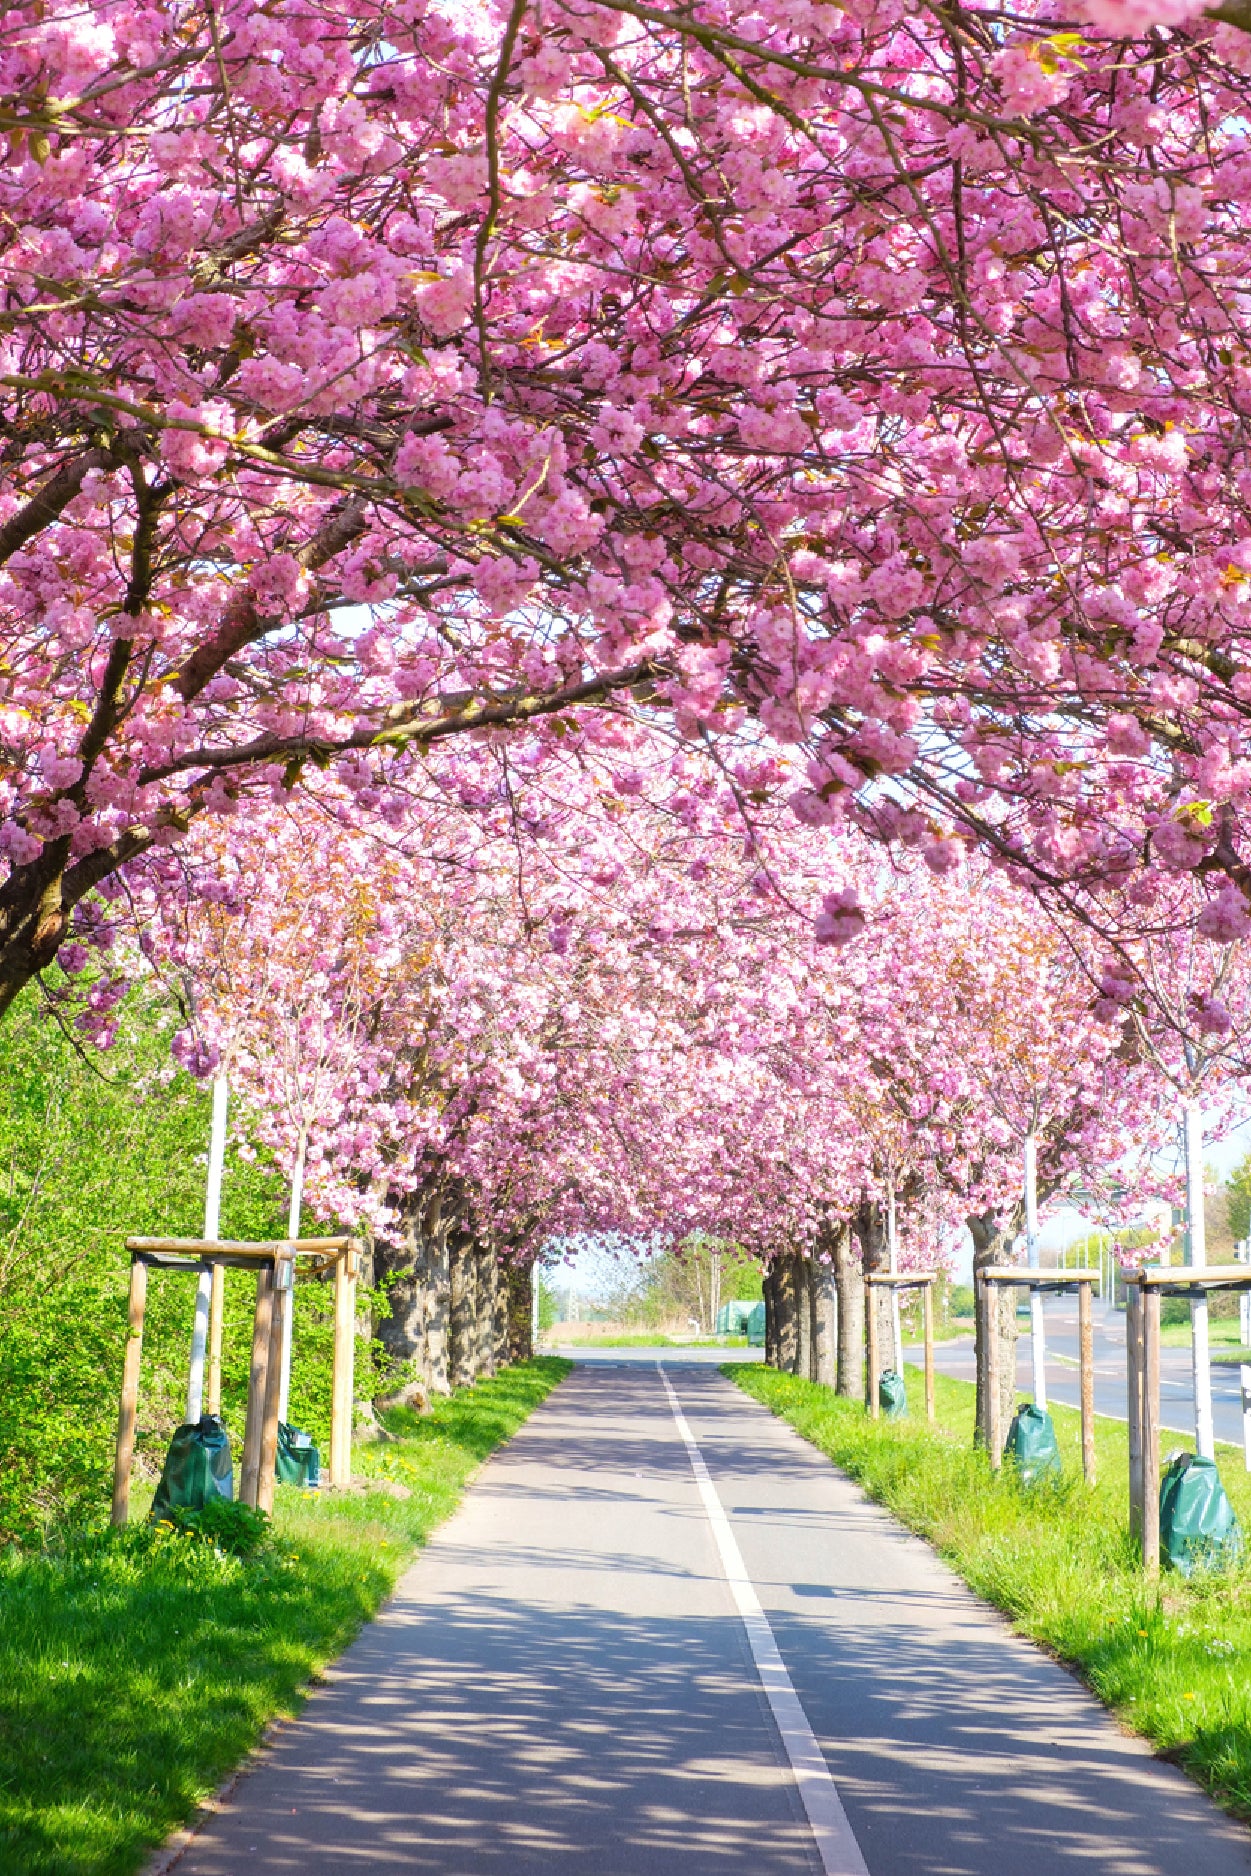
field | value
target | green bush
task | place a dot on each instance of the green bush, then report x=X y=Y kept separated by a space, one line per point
x=960 y=1300
x=94 y=1148
x=225 y=1523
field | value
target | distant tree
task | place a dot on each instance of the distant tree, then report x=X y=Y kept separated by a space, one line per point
x=1238 y=1198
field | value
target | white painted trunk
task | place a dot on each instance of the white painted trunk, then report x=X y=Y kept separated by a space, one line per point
x=1197 y=1256
x=1037 y=1321
x=212 y=1230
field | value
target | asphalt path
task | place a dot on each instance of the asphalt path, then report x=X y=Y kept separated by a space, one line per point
x=1176 y=1395
x=664 y=1637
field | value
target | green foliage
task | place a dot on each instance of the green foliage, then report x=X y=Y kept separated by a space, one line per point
x=1238 y=1198
x=687 y=1285
x=230 y=1526
x=547 y=1304
x=960 y=1300
x=1173 y=1659
x=137 y=1668
x=89 y=1155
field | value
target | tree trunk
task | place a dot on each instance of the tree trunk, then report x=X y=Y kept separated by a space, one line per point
x=823 y=1297
x=460 y=1314
x=788 y=1314
x=769 y=1286
x=870 y=1227
x=802 y=1266
x=989 y=1237
x=484 y=1289
x=849 y=1283
x=438 y=1303
x=520 y=1311
x=499 y=1316
x=402 y=1331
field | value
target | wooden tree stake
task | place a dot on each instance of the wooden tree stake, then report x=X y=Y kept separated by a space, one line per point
x=1149 y=1310
x=927 y=1317
x=217 y=1310
x=873 y=1353
x=990 y=1329
x=262 y=1322
x=1087 y=1351
x=342 y=1386
x=281 y=1303
x=130 y=1392
x=1133 y=1384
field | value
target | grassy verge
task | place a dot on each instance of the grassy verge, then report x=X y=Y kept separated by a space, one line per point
x=1173 y=1661
x=137 y=1668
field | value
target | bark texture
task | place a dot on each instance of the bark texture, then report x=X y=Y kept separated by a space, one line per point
x=823 y=1301
x=788 y=1314
x=520 y=1308
x=989 y=1247
x=462 y=1351
x=769 y=1286
x=802 y=1267
x=870 y=1228
x=849 y=1284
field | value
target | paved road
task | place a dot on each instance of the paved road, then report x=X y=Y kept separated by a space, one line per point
x=568 y=1681
x=1176 y=1399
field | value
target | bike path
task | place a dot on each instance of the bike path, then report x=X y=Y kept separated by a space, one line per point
x=566 y=1681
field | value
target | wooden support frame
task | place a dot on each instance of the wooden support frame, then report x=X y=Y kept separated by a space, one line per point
x=922 y=1280
x=1059 y=1282
x=275 y=1262
x=130 y=1393
x=1143 y=1291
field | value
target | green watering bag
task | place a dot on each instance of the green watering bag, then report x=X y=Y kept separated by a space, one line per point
x=1198 y=1528
x=298 y=1462
x=1031 y=1445
x=197 y=1467
x=892 y=1396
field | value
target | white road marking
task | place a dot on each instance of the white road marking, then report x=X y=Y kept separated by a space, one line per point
x=835 y=1841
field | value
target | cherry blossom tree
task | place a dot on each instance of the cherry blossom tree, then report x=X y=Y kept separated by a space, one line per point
x=373 y=374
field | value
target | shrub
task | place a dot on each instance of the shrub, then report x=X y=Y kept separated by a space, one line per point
x=225 y=1523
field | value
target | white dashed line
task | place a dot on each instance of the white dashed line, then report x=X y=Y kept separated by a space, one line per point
x=835 y=1841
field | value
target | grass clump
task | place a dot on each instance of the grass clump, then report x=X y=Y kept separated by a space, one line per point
x=1172 y=1659
x=137 y=1667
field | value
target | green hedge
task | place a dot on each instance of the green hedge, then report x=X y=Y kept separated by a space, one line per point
x=94 y=1147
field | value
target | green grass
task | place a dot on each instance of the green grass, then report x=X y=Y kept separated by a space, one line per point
x=1224 y=1332
x=943 y=1331
x=1173 y=1660
x=136 y=1669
